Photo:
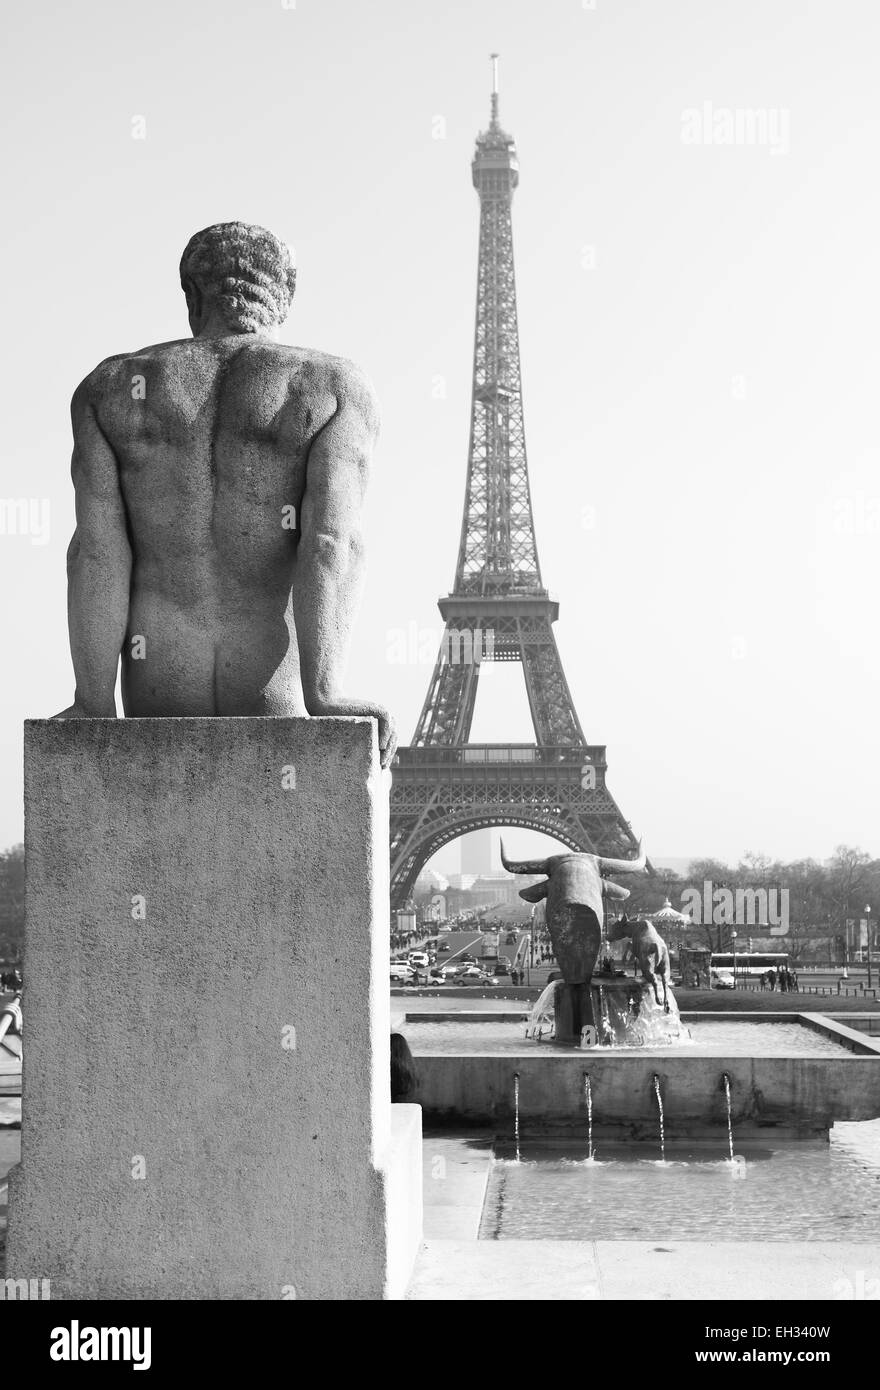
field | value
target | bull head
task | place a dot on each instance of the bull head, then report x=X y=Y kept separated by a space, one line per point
x=574 y=888
x=536 y=891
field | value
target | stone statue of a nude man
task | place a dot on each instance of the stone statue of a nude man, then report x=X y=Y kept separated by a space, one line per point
x=219 y=483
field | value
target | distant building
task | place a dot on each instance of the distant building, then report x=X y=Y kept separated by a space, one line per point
x=497 y=888
x=429 y=881
x=478 y=854
x=405 y=919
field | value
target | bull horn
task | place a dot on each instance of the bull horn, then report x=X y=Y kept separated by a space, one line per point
x=624 y=866
x=614 y=890
x=523 y=866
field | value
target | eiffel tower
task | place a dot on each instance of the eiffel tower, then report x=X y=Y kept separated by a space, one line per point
x=499 y=610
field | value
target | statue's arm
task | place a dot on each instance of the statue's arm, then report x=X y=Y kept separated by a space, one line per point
x=330 y=554
x=98 y=567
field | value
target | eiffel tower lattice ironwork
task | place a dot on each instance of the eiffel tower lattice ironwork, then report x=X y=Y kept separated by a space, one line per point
x=499 y=610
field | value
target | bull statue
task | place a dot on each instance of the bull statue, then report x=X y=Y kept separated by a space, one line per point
x=649 y=949
x=575 y=888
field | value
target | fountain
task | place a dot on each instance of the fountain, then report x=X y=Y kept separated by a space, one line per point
x=657 y=1093
x=604 y=1015
x=576 y=889
x=725 y=1081
x=625 y=1009
x=596 y=1004
x=541 y=1019
x=793 y=1076
x=596 y=1000
x=588 y=1097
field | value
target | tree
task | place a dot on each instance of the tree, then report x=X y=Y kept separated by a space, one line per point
x=700 y=872
x=757 y=868
x=849 y=880
x=12 y=903
x=647 y=892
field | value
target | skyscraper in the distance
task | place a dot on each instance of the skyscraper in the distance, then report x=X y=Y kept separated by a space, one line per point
x=478 y=854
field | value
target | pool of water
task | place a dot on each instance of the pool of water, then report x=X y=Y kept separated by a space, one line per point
x=793 y=1192
x=871 y=1026
x=725 y=1038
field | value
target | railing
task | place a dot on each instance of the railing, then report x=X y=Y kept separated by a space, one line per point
x=502 y=753
x=837 y=990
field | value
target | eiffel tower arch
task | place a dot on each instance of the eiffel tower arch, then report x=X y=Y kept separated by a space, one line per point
x=444 y=785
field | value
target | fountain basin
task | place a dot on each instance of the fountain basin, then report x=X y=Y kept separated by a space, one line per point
x=791 y=1192
x=787 y=1092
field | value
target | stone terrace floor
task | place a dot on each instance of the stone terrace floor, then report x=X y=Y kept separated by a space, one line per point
x=454 y=1265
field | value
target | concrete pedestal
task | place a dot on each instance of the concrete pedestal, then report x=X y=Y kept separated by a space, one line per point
x=206 y=1108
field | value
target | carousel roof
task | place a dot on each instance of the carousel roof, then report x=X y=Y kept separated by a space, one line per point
x=668 y=913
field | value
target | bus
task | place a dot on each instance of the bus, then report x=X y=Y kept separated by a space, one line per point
x=698 y=963
x=751 y=963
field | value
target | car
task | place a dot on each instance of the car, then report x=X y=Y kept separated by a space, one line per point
x=419 y=959
x=722 y=978
x=453 y=972
x=401 y=972
x=444 y=948
x=475 y=977
x=444 y=929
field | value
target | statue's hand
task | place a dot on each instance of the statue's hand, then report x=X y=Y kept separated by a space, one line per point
x=343 y=706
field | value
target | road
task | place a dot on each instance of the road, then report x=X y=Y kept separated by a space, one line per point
x=471 y=941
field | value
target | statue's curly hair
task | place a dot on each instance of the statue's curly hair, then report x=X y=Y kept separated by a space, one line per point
x=245 y=272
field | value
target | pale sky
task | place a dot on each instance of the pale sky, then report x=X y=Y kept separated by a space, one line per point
x=699 y=343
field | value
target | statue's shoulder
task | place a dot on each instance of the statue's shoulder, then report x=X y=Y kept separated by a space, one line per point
x=343 y=383
x=106 y=377
x=343 y=379
x=338 y=372
x=95 y=386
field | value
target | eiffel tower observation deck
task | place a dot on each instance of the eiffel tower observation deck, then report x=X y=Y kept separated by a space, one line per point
x=499 y=610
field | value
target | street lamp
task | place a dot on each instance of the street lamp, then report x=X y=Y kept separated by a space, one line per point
x=868 y=915
x=733 y=943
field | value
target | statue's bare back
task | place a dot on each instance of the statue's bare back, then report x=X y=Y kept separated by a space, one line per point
x=219 y=485
x=212 y=466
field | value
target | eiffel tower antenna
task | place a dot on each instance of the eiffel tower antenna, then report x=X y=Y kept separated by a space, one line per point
x=498 y=610
x=494 y=122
